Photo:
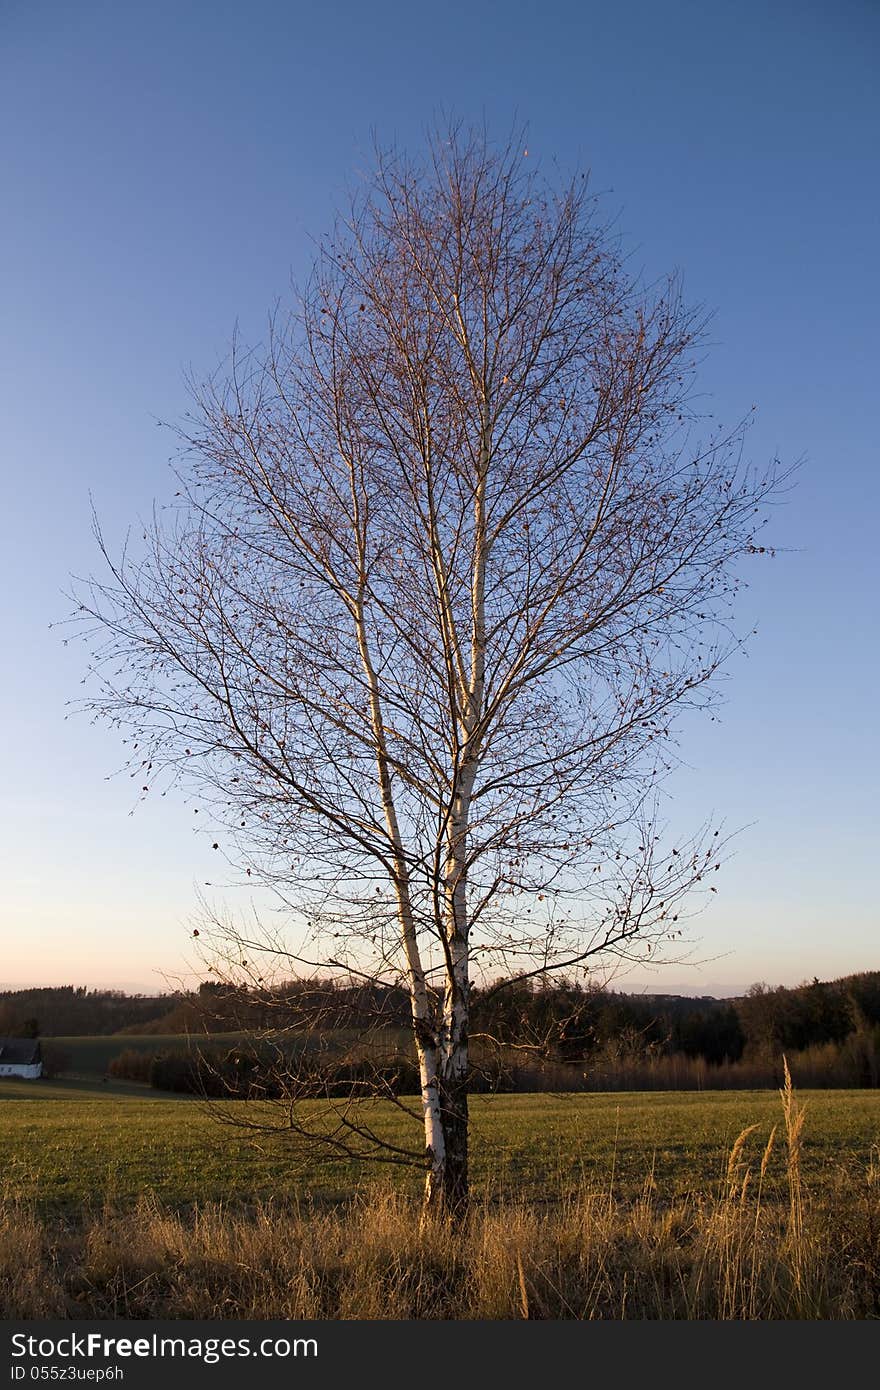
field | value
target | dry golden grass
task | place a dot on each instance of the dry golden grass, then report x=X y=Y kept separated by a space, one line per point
x=728 y=1254
x=717 y=1259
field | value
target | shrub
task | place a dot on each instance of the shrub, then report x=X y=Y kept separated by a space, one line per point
x=131 y=1065
x=56 y=1060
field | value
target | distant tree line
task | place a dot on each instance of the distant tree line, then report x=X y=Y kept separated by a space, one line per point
x=570 y=1021
x=764 y=1022
x=254 y=1071
x=516 y=1028
x=75 y=1011
x=320 y=1038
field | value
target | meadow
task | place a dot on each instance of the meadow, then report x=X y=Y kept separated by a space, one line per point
x=725 y=1206
x=65 y=1145
x=90 y=1056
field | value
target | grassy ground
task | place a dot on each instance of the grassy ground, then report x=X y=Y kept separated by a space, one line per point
x=698 y=1239
x=65 y=1145
x=72 y=1088
x=90 y=1056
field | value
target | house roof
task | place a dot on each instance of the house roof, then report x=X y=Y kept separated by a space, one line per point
x=23 y=1052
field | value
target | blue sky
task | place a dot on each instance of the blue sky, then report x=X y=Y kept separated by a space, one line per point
x=165 y=167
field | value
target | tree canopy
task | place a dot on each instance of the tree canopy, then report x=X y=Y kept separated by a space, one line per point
x=449 y=554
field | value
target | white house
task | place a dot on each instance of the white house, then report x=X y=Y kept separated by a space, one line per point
x=21 y=1057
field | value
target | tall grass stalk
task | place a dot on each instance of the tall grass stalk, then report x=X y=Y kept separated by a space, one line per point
x=804 y=1272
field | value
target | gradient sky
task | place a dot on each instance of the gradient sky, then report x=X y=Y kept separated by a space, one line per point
x=164 y=167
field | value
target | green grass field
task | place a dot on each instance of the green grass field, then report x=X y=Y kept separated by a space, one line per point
x=67 y=1144
x=90 y=1056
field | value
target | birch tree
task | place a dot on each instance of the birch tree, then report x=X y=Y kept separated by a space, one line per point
x=448 y=556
